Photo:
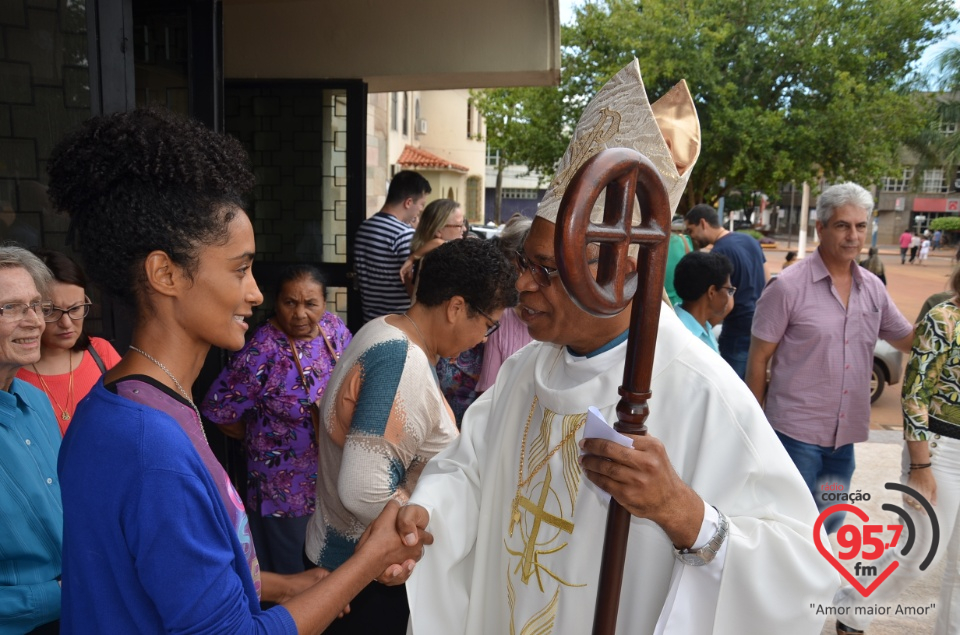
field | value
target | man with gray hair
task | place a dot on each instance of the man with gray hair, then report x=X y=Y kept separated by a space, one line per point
x=818 y=323
x=31 y=514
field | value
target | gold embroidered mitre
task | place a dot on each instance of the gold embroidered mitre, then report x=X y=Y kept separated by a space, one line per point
x=620 y=116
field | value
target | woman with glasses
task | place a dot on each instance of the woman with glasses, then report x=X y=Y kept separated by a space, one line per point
x=71 y=362
x=441 y=221
x=383 y=415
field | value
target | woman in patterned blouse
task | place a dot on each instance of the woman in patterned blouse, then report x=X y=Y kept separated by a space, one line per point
x=264 y=397
x=931 y=427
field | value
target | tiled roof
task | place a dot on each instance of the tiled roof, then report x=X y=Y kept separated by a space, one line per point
x=417 y=158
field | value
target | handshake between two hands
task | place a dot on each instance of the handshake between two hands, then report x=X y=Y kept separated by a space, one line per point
x=399 y=535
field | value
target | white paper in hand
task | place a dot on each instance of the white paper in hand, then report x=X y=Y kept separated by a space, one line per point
x=597 y=427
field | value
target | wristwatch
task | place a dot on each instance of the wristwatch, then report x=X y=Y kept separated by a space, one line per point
x=708 y=552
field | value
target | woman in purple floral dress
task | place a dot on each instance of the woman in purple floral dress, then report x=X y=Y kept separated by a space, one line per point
x=264 y=397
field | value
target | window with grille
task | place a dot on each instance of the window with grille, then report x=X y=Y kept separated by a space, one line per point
x=933 y=181
x=519 y=192
x=902 y=184
x=473 y=198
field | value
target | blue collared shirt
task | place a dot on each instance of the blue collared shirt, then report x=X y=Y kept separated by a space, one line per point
x=31 y=513
x=705 y=335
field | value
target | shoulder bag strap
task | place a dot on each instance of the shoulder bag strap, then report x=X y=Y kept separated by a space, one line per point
x=333 y=354
x=313 y=408
x=296 y=360
x=96 y=358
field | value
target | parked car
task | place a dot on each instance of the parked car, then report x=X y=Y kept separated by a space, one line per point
x=486 y=231
x=887 y=368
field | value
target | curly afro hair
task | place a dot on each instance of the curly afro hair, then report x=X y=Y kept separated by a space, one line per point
x=471 y=268
x=143 y=181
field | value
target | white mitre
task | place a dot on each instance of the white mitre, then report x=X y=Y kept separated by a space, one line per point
x=620 y=116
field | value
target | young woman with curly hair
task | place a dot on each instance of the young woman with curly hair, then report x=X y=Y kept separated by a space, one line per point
x=155 y=537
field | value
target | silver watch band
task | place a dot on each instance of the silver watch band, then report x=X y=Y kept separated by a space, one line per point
x=706 y=554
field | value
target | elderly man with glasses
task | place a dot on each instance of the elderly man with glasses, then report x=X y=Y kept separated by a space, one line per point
x=31 y=514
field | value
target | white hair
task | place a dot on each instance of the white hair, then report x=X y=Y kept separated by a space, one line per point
x=836 y=196
x=12 y=255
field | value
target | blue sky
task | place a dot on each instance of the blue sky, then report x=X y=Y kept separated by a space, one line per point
x=566 y=16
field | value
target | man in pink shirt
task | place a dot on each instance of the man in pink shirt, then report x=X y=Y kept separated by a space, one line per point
x=819 y=322
x=905 y=239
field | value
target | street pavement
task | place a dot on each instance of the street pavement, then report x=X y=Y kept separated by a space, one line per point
x=878 y=460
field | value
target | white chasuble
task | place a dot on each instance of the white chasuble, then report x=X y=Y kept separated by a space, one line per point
x=508 y=564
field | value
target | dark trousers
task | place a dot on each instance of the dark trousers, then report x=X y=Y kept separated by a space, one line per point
x=279 y=542
x=378 y=609
x=53 y=628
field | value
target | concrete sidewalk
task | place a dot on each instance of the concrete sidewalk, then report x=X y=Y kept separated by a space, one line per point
x=878 y=462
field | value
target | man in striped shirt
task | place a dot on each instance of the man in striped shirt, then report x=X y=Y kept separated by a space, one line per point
x=382 y=244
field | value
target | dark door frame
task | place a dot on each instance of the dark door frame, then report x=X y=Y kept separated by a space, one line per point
x=340 y=274
x=113 y=89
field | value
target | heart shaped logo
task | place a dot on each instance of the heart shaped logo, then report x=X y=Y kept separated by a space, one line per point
x=828 y=554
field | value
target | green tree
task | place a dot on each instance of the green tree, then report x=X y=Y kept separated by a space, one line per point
x=932 y=144
x=948 y=108
x=525 y=127
x=785 y=89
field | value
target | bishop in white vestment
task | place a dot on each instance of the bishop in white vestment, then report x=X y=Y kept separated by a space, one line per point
x=518 y=520
x=478 y=578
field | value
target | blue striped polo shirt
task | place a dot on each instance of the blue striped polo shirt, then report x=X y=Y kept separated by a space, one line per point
x=381 y=245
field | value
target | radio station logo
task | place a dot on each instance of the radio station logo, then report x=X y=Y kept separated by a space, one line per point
x=864 y=546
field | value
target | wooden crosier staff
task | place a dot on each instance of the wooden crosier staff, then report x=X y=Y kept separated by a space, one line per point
x=625 y=174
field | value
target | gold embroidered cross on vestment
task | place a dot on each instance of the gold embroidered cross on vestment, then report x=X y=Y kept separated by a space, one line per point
x=523 y=482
